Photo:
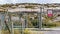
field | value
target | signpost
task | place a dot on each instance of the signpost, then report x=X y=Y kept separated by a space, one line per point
x=50 y=13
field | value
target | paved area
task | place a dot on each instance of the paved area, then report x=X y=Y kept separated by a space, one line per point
x=56 y=28
x=52 y=32
x=45 y=32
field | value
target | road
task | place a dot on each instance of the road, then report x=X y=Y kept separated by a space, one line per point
x=52 y=32
x=45 y=32
x=48 y=31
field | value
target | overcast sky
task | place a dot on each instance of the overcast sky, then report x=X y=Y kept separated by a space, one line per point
x=29 y=1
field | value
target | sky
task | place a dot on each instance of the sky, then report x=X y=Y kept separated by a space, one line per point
x=29 y=1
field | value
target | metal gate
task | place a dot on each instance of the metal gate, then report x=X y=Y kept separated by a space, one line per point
x=23 y=21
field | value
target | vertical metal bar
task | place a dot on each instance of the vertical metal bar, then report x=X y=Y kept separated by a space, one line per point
x=12 y=28
x=43 y=12
x=2 y=20
x=25 y=21
x=1 y=25
x=21 y=23
x=40 y=18
x=12 y=32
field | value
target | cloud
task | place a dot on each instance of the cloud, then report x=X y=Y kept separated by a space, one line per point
x=1 y=1
x=29 y=1
x=56 y=1
x=4 y=1
x=20 y=1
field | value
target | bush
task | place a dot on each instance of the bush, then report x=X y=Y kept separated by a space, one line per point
x=49 y=25
x=26 y=31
